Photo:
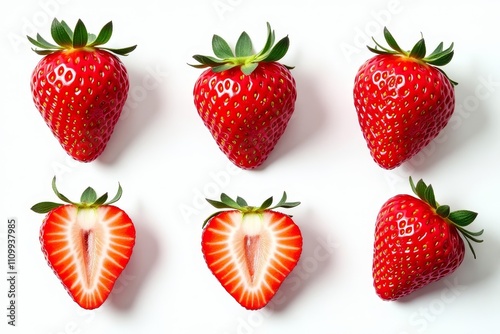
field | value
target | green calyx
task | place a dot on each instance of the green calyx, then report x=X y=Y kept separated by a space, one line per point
x=438 y=57
x=88 y=199
x=460 y=219
x=243 y=55
x=78 y=38
x=241 y=205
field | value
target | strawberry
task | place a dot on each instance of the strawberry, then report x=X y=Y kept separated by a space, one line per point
x=403 y=100
x=417 y=242
x=251 y=250
x=80 y=87
x=87 y=244
x=245 y=99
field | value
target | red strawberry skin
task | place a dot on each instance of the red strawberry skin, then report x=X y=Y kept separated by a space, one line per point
x=414 y=246
x=80 y=95
x=87 y=249
x=402 y=104
x=251 y=254
x=246 y=114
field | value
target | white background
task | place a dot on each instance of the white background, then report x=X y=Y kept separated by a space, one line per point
x=167 y=163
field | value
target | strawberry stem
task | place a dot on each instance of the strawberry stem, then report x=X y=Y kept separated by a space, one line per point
x=460 y=219
x=67 y=39
x=241 y=205
x=438 y=57
x=88 y=199
x=243 y=55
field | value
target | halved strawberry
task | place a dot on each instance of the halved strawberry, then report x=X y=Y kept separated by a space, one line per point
x=87 y=244
x=251 y=250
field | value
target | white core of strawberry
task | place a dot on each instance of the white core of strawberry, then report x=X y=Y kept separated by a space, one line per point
x=257 y=244
x=86 y=225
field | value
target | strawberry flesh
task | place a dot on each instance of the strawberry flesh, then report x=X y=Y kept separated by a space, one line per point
x=87 y=248
x=251 y=253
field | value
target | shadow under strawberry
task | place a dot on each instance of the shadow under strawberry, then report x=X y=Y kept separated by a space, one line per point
x=470 y=275
x=128 y=286
x=467 y=122
x=317 y=257
x=307 y=120
x=141 y=110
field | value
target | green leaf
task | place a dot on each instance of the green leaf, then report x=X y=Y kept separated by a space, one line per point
x=45 y=207
x=279 y=50
x=470 y=247
x=391 y=41
x=418 y=51
x=122 y=51
x=429 y=196
x=420 y=189
x=104 y=35
x=436 y=51
x=269 y=41
x=80 y=35
x=441 y=61
x=40 y=39
x=284 y=204
x=88 y=196
x=101 y=200
x=470 y=235
x=462 y=217
x=207 y=61
x=290 y=205
x=241 y=202
x=42 y=43
x=91 y=38
x=58 y=194
x=60 y=35
x=117 y=196
x=39 y=44
x=223 y=67
x=282 y=200
x=244 y=46
x=43 y=52
x=67 y=29
x=247 y=69
x=221 y=48
x=381 y=51
x=229 y=201
x=267 y=203
x=217 y=204
x=443 y=211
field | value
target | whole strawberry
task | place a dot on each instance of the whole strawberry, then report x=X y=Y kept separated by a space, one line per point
x=403 y=100
x=87 y=244
x=251 y=250
x=80 y=87
x=417 y=242
x=245 y=99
